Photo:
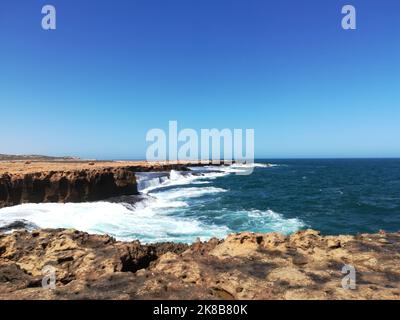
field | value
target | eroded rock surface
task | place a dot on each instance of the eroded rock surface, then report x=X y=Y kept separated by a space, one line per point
x=66 y=186
x=304 y=265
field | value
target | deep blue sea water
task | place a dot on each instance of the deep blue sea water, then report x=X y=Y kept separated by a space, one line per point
x=333 y=196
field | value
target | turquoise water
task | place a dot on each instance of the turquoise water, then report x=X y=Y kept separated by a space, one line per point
x=333 y=196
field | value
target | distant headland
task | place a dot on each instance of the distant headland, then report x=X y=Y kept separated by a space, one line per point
x=34 y=157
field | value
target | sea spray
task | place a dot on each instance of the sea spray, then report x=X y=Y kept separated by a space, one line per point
x=175 y=206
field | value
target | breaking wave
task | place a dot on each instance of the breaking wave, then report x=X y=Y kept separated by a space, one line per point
x=170 y=210
x=146 y=223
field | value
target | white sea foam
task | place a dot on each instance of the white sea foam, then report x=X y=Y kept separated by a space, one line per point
x=150 y=220
x=250 y=165
x=145 y=222
x=187 y=193
x=239 y=167
x=160 y=216
x=176 y=178
x=270 y=221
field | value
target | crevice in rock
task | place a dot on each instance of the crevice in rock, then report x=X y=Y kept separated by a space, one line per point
x=133 y=264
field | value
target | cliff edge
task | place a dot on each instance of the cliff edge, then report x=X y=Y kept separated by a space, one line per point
x=39 y=182
x=69 y=186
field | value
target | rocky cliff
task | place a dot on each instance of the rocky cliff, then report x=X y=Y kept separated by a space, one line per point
x=73 y=186
x=76 y=185
x=304 y=265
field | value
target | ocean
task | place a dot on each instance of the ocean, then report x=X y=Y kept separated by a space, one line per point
x=341 y=196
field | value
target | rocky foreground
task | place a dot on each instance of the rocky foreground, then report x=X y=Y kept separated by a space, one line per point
x=304 y=265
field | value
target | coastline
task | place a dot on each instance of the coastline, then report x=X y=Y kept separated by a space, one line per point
x=75 y=181
x=244 y=265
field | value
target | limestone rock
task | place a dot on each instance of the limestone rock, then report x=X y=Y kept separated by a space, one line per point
x=248 y=265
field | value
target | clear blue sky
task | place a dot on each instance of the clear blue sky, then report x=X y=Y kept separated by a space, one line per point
x=114 y=69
